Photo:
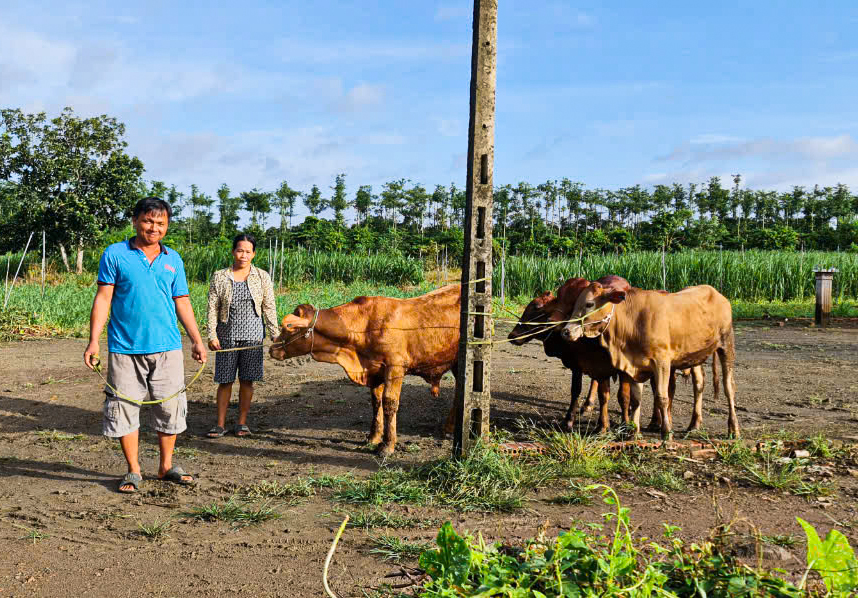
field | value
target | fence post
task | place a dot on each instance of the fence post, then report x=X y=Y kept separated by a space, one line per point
x=824 y=278
x=473 y=390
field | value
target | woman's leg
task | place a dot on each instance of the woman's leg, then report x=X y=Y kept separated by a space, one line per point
x=224 y=392
x=245 y=396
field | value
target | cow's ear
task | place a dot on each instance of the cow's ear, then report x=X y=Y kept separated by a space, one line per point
x=617 y=296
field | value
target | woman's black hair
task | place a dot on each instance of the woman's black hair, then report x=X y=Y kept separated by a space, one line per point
x=244 y=237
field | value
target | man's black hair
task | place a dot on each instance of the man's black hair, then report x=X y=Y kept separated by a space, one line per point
x=152 y=204
x=244 y=237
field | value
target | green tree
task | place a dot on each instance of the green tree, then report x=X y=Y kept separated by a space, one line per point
x=414 y=208
x=439 y=203
x=258 y=203
x=228 y=207
x=284 y=200
x=393 y=198
x=75 y=178
x=363 y=203
x=314 y=201
x=338 y=201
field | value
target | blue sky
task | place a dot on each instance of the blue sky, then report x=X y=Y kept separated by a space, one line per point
x=610 y=94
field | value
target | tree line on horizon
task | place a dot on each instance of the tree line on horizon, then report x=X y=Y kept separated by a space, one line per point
x=73 y=178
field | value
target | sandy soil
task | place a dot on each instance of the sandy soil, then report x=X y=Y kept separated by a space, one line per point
x=308 y=419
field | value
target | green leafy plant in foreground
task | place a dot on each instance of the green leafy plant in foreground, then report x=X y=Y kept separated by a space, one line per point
x=579 y=564
x=833 y=559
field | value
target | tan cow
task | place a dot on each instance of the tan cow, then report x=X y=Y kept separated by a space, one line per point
x=378 y=341
x=652 y=334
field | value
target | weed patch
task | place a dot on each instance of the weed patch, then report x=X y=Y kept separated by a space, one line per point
x=155 y=530
x=391 y=548
x=239 y=514
x=379 y=518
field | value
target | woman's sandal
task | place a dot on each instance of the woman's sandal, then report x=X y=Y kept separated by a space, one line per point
x=216 y=432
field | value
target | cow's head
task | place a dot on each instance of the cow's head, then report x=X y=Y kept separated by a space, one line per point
x=536 y=311
x=567 y=295
x=592 y=307
x=295 y=338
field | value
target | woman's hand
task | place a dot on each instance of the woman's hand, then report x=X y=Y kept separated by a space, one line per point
x=214 y=345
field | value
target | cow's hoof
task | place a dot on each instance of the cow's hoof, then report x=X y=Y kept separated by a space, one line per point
x=568 y=426
x=373 y=440
x=384 y=450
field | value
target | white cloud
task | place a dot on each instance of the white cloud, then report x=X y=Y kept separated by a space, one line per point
x=812 y=148
x=361 y=97
x=713 y=138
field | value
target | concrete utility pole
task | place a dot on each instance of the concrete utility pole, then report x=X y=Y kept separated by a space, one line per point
x=474 y=367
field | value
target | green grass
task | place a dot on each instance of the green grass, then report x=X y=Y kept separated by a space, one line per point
x=155 y=530
x=32 y=533
x=232 y=511
x=396 y=550
x=380 y=518
x=754 y=276
x=49 y=437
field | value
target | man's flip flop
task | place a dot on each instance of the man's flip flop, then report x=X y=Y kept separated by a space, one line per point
x=130 y=479
x=176 y=475
x=241 y=430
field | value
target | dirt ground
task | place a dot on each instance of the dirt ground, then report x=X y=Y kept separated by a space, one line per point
x=309 y=420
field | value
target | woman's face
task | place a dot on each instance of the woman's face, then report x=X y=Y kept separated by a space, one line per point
x=243 y=253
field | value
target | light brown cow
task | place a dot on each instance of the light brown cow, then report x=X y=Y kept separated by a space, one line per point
x=377 y=341
x=651 y=334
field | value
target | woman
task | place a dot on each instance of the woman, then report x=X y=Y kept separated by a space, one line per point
x=240 y=297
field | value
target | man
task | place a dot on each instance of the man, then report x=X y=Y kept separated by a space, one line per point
x=142 y=284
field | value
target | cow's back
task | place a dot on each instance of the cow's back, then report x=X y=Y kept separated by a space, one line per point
x=686 y=326
x=418 y=333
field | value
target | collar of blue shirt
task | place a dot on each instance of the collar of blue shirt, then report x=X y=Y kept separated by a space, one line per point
x=133 y=245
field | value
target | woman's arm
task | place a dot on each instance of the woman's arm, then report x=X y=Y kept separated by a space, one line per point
x=213 y=309
x=269 y=306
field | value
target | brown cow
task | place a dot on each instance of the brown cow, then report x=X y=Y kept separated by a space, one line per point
x=546 y=307
x=651 y=334
x=539 y=310
x=377 y=341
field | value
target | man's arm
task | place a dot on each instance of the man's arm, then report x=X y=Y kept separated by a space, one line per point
x=186 y=316
x=97 y=320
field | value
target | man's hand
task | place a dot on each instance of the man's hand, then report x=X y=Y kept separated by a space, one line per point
x=198 y=352
x=90 y=356
x=214 y=345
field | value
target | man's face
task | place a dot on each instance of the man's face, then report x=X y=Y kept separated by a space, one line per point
x=151 y=226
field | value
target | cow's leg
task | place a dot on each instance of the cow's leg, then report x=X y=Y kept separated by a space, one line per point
x=663 y=378
x=623 y=398
x=655 y=421
x=726 y=357
x=375 y=432
x=574 y=393
x=698 y=380
x=604 y=397
x=635 y=392
x=592 y=395
x=393 y=376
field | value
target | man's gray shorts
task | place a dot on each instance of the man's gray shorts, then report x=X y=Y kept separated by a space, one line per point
x=145 y=377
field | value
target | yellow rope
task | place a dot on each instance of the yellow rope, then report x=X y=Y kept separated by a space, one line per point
x=96 y=366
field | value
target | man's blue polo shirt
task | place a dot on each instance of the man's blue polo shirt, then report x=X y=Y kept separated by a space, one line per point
x=143 y=311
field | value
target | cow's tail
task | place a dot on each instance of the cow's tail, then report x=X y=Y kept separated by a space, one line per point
x=716 y=383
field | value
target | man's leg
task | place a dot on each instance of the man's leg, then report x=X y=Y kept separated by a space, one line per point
x=130 y=448
x=168 y=418
x=167 y=442
x=224 y=392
